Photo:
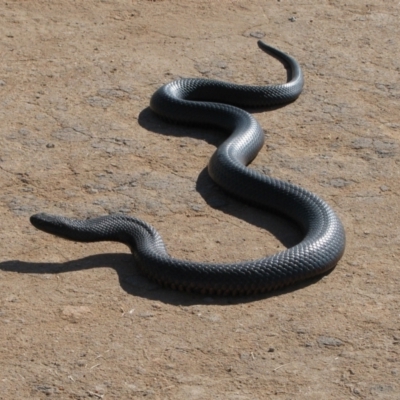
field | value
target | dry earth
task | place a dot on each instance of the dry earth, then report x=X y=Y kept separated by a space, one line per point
x=77 y=138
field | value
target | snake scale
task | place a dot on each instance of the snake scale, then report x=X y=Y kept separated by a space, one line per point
x=211 y=102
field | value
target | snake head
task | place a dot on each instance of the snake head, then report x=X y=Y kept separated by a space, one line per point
x=47 y=223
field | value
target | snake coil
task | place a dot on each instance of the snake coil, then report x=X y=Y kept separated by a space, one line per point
x=201 y=101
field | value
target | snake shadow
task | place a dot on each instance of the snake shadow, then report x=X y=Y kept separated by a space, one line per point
x=136 y=284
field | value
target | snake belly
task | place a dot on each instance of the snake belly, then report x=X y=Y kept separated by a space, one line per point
x=202 y=101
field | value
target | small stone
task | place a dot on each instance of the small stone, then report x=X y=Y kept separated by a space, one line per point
x=329 y=341
x=50 y=145
x=146 y=314
x=257 y=34
x=24 y=132
x=292 y=19
x=132 y=387
x=338 y=183
x=203 y=69
x=74 y=313
x=47 y=390
x=222 y=65
x=12 y=298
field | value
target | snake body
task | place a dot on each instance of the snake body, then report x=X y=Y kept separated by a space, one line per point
x=201 y=101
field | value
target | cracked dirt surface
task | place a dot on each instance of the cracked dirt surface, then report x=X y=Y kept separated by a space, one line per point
x=77 y=138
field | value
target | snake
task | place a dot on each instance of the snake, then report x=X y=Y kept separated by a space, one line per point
x=198 y=101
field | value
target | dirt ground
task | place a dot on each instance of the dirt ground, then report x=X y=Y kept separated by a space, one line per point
x=77 y=138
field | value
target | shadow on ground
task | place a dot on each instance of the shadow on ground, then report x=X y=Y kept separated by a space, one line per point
x=135 y=284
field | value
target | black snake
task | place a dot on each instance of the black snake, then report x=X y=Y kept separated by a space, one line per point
x=201 y=101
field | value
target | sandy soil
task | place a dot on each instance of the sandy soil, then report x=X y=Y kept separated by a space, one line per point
x=77 y=321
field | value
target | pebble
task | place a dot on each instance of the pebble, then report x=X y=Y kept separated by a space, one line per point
x=329 y=341
x=196 y=208
x=146 y=314
x=47 y=390
x=257 y=34
x=339 y=182
x=24 y=132
x=222 y=64
x=74 y=313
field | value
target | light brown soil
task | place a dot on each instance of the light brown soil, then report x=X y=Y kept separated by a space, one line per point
x=77 y=139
